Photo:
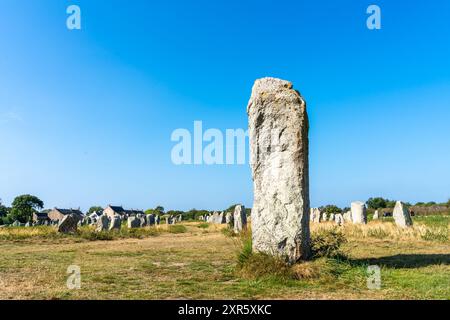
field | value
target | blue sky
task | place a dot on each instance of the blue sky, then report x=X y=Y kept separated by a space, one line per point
x=86 y=116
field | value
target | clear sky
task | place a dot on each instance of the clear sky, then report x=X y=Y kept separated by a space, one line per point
x=86 y=116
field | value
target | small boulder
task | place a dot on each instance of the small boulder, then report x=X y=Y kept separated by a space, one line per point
x=402 y=215
x=116 y=223
x=240 y=219
x=68 y=224
x=133 y=223
x=102 y=223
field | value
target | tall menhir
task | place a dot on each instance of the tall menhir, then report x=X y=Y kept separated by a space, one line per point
x=278 y=127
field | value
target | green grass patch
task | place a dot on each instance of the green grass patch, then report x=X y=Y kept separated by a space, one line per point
x=177 y=229
x=436 y=234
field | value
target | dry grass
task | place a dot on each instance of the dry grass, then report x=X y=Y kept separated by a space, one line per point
x=200 y=263
x=384 y=230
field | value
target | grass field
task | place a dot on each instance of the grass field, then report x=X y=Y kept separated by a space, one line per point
x=198 y=261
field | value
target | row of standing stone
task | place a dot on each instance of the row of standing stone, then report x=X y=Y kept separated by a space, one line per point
x=236 y=220
x=358 y=215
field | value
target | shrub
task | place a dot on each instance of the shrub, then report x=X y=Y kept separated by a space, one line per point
x=436 y=234
x=91 y=235
x=177 y=229
x=260 y=265
x=378 y=233
x=228 y=232
x=327 y=243
x=203 y=225
x=245 y=251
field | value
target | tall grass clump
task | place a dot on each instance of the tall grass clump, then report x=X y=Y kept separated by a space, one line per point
x=178 y=228
x=436 y=234
x=327 y=243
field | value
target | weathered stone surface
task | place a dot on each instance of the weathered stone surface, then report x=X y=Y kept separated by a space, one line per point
x=332 y=217
x=315 y=215
x=339 y=219
x=151 y=221
x=402 y=215
x=324 y=217
x=157 y=220
x=278 y=129
x=216 y=218
x=116 y=223
x=359 y=213
x=180 y=218
x=102 y=223
x=134 y=222
x=376 y=215
x=68 y=224
x=240 y=219
x=229 y=219
x=347 y=216
x=143 y=221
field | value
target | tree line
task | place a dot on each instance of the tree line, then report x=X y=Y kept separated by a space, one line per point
x=24 y=206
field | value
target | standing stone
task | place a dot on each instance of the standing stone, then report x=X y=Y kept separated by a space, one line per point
x=133 y=223
x=180 y=218
x=315 y=215
x=347 y=216
x=229 y=219
x=151 y=219
x=324 y=217
x=402 y=215
x=116 y=223
x=157 y=220
x=278 y=130
x=68 y=224
x=376 y=215
x=216 y=218
x=240 y=219
x=359 y=213
x=143 y=221
x=332 y=217
x=102 y=223
x=339 y=219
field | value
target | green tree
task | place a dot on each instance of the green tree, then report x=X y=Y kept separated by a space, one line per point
x=390 y=204
x=448 y=203
x=377 y=203
x=329 y=209
x=3 y=210
x=94 y=209
x=24 y=206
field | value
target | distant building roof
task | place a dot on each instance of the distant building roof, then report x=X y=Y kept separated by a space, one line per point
x=134 y=212
x=121 y=210
x=69 y=211
x=42 y=215
x=117 y=209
